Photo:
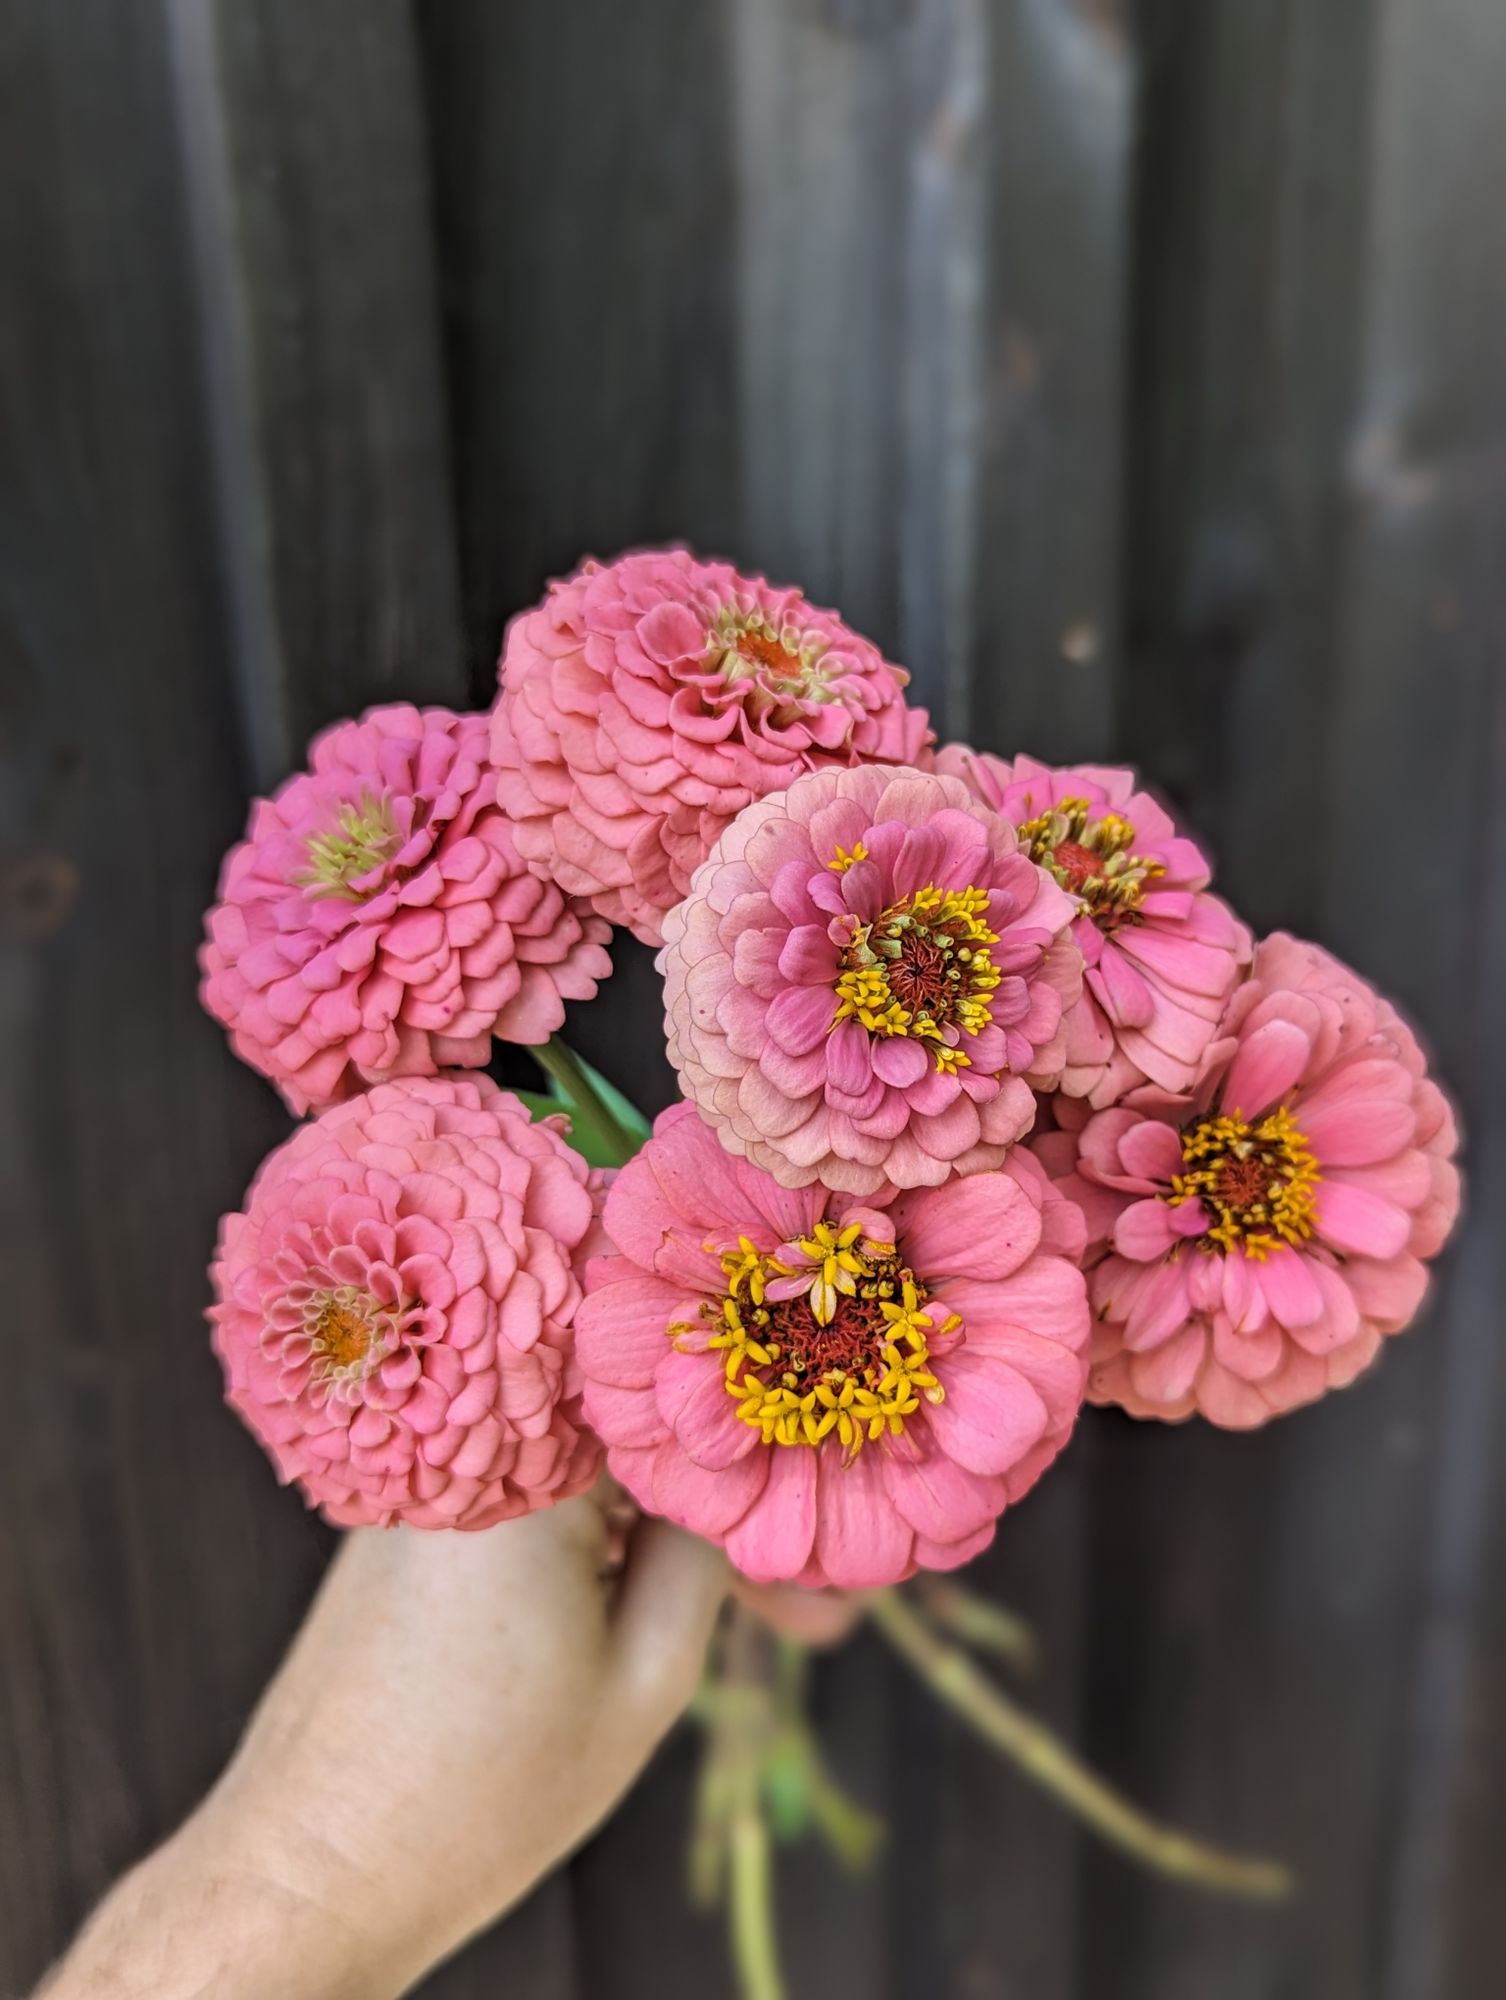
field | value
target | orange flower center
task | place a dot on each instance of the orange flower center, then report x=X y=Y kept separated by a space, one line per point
x=343 y=1335
x=349 y=1333
x=775 y=668
x=764 y=650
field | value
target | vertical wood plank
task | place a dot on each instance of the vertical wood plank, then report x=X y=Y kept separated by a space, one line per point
x=822 y=127
x=1044 y=645
x=1249 y=1647
x=1421 y=710
x=149 y=1566
x=583 y=190
x=307 y=171
x=1312 y=626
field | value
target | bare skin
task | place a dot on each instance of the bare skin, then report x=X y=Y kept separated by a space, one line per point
x=458 y=1712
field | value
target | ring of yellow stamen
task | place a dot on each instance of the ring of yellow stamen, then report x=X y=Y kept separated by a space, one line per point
x=1255 y=1181
x=363 y=837
x=923 y=968
x=1088 y=853
x=848 y=1357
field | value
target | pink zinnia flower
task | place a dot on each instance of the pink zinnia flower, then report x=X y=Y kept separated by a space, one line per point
x=1261 y=1236
x=1162 y=955
x=378 y=921
x=841 y=1393
x=646 y=701
x=866 y=980
x=394 y=1308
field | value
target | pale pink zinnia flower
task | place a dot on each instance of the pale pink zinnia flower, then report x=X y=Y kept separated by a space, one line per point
x=394 y=1308
x=378 y=920
x=1261 y=1236
x=839 y=1392
x=1162 y=955
x=646 y=701
x=866 y=980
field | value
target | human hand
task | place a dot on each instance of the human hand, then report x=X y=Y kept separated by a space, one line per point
x=458 y=1712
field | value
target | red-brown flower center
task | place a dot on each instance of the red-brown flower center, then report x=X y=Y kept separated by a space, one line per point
x=1237 y=1183
x=847 y=1356
x=852 y=1342
x=1087 y=850
x=1255 y=1182
x=922 y=968
x=1075 y=864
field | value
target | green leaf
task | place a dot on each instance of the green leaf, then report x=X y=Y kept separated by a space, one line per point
x=627 y=1114
x=540 y=1104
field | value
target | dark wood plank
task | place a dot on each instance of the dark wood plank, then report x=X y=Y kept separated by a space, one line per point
x=1041 y=659
x=307 y=170
x=1256 y=1646
x=584 y=225
x=149 y=1567
x=1422 y=704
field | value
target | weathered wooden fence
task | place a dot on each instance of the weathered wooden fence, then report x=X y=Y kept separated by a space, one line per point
x=1138 y=375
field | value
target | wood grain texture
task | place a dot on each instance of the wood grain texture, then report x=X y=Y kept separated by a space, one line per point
x=1257 y=1657
x=150 y=1571
x=306 y=167
x=583 y=210
x=1041 y=666
x=1132 y=372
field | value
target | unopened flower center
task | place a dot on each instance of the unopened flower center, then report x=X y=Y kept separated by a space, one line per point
x=349 y=1332
x=843 y=1349
x=777 y=667
x=363 y=836
x=1255 y=1181
x=1089 y=853
x=923 y=968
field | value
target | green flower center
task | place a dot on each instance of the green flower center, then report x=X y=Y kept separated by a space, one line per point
x=362 y=838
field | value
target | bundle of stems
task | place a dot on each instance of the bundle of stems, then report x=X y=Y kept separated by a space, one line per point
x=763 y=1780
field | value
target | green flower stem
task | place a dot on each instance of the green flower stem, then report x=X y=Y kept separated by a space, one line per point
x=956 y=1679
x=743 y=1730
x=592 y=1118
x=978 y=1622
x=755 y=1948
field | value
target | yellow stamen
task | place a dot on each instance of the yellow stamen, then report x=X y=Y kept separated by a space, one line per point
x=1255 y=1181
x=922 y=969
x=848 y=1356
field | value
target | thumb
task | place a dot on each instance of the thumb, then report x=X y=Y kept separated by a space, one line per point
x=673 y=1587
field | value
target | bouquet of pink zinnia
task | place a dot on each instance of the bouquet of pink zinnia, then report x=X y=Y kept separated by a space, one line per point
x=991 y=1106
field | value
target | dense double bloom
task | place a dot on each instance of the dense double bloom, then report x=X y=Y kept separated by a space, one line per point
x=866 y=980
x=1162 y=954
x=378 y=920
x=838 y=1391
x=646 y=701
x=1259 y=1237
x=393 y=1307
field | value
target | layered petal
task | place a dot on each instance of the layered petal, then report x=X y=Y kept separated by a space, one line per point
x=646 y=701
x=379 y=920
x=866 y=980
x=394 y=1309
x=849 y=1400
